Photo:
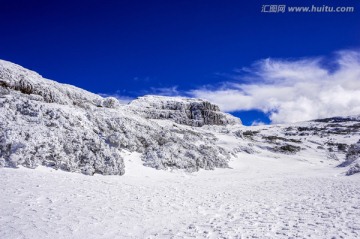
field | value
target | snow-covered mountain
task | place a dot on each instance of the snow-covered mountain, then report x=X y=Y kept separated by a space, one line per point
x=43 y=122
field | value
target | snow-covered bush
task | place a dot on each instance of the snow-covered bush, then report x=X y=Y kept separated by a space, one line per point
x=46 y=123
x=110 y=102
x=352 y=159
x=35 y=133
x=187 y=156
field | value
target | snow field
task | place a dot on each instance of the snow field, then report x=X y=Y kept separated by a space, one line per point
x=260 y=197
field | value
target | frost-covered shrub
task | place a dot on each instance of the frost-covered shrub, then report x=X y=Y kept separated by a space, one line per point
x=287 y=149
x=352 y=155
x=110 y=102
x=352 y=159
x=46 y=123
x=90 y=140
x=186 y=156
x=353 y=169
x=43 y=134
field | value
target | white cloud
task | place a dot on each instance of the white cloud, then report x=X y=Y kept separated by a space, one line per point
x=165 y=91
x=294 y=90
x=122 y=99
x=257 y=123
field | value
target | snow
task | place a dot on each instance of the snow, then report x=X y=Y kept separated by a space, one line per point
x=260 y=197
x=277 y=181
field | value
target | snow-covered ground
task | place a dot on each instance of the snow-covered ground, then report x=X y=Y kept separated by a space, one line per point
x=276 y=181
x=259 y=197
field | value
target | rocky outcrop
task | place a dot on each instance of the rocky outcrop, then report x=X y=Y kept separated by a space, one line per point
x=193 y=112
x=43 y=122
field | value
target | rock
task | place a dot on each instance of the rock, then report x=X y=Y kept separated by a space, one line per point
x=187 y=111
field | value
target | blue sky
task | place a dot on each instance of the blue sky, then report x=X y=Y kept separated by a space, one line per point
x=132 y=48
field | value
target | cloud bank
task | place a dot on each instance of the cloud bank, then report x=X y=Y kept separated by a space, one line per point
x=293 y=90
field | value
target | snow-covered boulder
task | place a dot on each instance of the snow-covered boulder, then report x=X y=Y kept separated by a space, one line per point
x=187 y=111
